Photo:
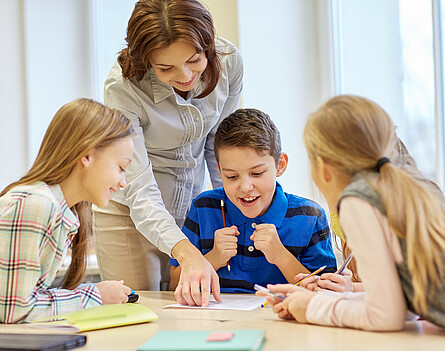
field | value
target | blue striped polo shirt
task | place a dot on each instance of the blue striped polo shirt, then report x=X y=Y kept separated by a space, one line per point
x=301 y=224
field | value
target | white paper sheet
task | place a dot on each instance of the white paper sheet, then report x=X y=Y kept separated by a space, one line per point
x=229 y=302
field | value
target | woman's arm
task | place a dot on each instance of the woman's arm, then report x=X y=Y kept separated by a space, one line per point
x=197 y=276
x=141 y=194
x=175 y=274
x=147 y=209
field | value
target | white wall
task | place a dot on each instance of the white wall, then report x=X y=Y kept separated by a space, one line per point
x=58 y=60
x=109 y=20
x=46 y=62
x=13 y=128
x=281 y=58
x=225 y=18
x=371 y=60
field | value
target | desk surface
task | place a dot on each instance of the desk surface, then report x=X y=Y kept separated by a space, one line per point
x=280 y=335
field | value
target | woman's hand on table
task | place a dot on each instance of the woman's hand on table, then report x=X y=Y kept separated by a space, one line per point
x=197 y=276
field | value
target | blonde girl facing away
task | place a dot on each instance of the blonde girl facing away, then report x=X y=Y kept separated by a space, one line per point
x=82 y=160
x=342 y=283
x=392 y=218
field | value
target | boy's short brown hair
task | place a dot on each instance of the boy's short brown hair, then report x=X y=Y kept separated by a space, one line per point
x=251 y=128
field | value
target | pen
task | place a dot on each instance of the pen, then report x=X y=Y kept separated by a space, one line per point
x=344 y=265
x=224 y=225
x=299 y=281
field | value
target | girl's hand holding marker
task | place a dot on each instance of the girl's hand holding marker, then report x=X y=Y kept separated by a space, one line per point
x=296 y=284
x=268 y=292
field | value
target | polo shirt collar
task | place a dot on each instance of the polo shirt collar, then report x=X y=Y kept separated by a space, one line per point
x=274 y=215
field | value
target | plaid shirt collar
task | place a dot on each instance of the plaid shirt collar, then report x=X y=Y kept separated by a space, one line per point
x=69 y=215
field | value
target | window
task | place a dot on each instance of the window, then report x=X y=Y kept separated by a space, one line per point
x=385 y=51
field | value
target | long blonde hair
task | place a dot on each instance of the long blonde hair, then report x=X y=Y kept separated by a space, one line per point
x=77 y=127
x=352 y=133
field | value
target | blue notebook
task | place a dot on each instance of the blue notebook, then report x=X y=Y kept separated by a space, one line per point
x=188 y=340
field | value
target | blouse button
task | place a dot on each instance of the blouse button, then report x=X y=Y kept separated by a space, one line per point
x=253 y=225
x=250 y=248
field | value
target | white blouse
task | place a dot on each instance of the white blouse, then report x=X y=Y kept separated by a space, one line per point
x=174 y=138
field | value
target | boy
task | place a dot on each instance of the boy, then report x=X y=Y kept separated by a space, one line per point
x=265 y=236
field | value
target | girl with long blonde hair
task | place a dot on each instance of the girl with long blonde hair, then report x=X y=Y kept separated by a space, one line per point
x=349 y=279
x=82 y=160
x=393 y=220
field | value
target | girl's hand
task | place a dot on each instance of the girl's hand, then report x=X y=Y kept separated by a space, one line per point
x=296 y=304
x=310 y=283
x=266 y=239
x=276 y=302
x=335 y=282
x=113 y=291
x=224 y=246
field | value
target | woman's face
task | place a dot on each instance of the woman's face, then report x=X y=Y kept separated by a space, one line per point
x=179 y=65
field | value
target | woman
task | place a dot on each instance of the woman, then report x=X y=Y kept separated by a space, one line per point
x=82 y=159
x=175 y=81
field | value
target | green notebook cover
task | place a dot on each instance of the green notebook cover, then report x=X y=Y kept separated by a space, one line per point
x=188 y=340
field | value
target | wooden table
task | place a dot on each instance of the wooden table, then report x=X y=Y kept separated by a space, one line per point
x=280 y=335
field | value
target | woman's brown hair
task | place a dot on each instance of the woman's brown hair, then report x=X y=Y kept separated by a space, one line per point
x=352 y=133
x=77 y=127
x=155 y=24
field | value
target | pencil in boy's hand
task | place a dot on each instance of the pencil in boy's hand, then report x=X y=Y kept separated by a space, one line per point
x=299 y=281
x=224 y=225
x=345 y=264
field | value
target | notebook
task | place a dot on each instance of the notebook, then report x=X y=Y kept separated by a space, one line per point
x=100 y=317
x=188 y=340
x=40 y=342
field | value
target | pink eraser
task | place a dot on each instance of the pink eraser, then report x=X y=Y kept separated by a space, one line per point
x=220 y=336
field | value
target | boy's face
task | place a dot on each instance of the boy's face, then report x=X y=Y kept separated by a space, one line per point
x=249 y=178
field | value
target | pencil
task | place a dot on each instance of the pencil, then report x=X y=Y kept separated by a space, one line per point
x=299 y=281
x=224 y=225
x=310 y=275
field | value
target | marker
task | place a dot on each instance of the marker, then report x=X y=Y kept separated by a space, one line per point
x=344 y=265
x=133 y=297
x=267 y=291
